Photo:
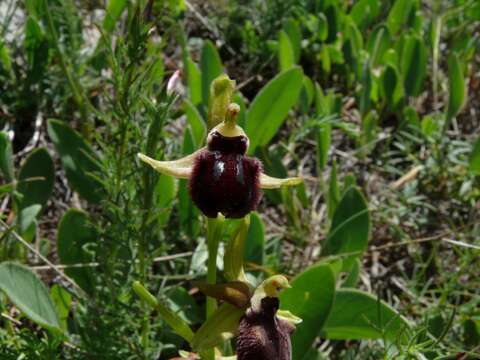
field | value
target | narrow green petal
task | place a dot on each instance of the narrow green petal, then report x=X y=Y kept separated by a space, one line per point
x=181 y=168
x=268 y=182
x=288 y=317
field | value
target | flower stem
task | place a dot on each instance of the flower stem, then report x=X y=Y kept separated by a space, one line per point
x=214 y=235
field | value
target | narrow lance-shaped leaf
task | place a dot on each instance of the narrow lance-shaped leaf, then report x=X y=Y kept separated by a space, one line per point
x=286 y=56
x=474 y=162
x=414 y=65
x=456 y=90
x=6 y=162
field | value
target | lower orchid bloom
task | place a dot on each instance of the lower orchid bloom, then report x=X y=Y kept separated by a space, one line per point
x=222 y=179
x=263 y=331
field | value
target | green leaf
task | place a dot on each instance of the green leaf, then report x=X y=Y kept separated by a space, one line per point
x=456 y=90
x=29 y=294
x=255 y=244
x=398 y=15
x=324 y=134
x=196 y=123
x=414 y=65
x=310 y=298
x=350 y=228
x=113 y=12
x=378 y=44
x=292 y=29
x=286 y=55
x=357 y=315
x=78 y=160
x=333 y=191
x=211 y=67
x=194 y=81
x=366 y=91
x=6 y=159
x=474 y=161
x=74 y=233
x=270 y=107
x=391 y=86
x=36 y=179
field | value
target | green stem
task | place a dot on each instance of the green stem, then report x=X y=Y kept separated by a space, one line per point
x=214 y=235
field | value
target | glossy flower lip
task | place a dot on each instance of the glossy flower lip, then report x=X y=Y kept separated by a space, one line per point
x=222 y=179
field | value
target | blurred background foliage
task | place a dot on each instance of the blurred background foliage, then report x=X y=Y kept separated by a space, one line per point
x=368 y=96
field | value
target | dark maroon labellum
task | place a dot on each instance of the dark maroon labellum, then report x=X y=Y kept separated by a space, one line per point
x=262 y=336
x=224 y=179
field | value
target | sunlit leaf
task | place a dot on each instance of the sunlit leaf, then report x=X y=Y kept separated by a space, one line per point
x=357 y=315
x=270 y=107
x=310 y=298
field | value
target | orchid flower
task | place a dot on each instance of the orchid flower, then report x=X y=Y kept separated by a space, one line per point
x=222 y=179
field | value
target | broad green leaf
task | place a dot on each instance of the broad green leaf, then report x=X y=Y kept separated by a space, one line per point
x=474 y=161
x=307 y=94
x=6 y=158
x=357 y=315
x=286 y=55
x=324 y=134
x=350 y=227
x=78 y=160
x=165 y=191
x=29 y=294
x=310 y=298
x=292 y=29
x=255 y=243
x=74 y=233
x=233 y=259
x=414 y=65
x=471 y=333
x=113 y=12
x=36 y=178
x=322 y=30
x=221 y=326
x=270 y=107
x=178 y=325
x=196 y=123
x=456 y=90
x=211 y=67
x=332 y=15
x=398 y=15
